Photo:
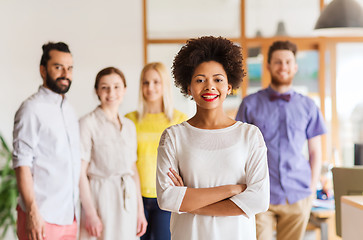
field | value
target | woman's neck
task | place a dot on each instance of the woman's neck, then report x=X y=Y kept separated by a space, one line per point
x=111 y=113
x=154 y=107
x=211 y=119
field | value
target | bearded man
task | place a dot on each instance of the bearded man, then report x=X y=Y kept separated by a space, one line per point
x=46 y=154
x=287 y=120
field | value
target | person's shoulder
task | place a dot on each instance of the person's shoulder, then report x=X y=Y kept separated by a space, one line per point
x=304 y=99
x=88 y=118
x=30 y=105
x=132 y=116
x=254 y=96
x=127 y=122
x=178 y=113
x=247 y=127
x=35 y=98
x=176 y=130
x=176 y=127
x=179 y=116
x=251 y=131
x=170 y=134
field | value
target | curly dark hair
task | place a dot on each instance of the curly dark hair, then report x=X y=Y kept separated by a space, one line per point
x=281 y=45
x=205 y=49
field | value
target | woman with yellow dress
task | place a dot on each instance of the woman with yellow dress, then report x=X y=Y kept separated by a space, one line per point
x=155 y=113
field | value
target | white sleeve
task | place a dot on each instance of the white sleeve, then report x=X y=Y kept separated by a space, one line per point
x=256 y=197
x=169 y=196
x=25 y=136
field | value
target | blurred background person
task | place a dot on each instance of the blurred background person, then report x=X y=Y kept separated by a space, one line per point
x=112 y=206
x=287 y=120
x=155 y=113
x=46 y=156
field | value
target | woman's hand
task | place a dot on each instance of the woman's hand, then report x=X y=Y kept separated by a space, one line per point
x=237 y=189
x=175 y=177
x=94 y=225
x=141 y=223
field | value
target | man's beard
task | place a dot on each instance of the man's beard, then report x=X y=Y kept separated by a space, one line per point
x=278 y=83
x=55 y=87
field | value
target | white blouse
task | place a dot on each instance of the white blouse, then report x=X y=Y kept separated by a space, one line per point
x=209 y=158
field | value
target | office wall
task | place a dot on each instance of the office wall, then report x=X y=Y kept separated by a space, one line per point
x=99 y=34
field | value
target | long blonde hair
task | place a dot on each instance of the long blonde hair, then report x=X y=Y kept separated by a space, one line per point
x=167 y=95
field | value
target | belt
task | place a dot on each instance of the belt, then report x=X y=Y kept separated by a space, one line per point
x=126 y=182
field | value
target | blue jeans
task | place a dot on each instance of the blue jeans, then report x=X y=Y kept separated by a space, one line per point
x=158 y=227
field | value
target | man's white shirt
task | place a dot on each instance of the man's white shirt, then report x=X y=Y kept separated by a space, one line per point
x=46 y=138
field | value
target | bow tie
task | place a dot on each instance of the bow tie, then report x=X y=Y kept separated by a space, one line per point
x=285 y=97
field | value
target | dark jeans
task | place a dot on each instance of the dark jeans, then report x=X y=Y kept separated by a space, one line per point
x=158 y=220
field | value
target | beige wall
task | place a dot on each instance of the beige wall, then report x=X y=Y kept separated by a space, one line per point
x=99 y=34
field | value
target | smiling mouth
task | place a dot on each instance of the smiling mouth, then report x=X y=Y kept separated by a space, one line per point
x=283 y=73
x=63 y=81
x=209 y=97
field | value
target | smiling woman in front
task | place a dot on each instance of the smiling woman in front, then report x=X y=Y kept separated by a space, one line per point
x=212 y=171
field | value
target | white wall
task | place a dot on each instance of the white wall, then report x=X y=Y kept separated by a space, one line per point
x=99 y=34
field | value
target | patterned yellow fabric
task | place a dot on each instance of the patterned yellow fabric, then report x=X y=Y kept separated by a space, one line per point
x=149 y=130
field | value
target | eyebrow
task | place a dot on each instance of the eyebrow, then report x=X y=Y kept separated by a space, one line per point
x=280 y=59
x=59 y=64
x=214 y=75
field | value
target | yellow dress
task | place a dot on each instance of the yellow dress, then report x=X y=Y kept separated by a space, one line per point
x=149 y=130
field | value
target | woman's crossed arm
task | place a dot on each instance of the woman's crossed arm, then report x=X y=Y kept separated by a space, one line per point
x=212 y=201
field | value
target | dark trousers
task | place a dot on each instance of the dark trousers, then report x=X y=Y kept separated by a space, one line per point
x=158 y=220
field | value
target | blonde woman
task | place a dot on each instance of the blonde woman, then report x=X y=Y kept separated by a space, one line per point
x=109 y=185
x=154 y=115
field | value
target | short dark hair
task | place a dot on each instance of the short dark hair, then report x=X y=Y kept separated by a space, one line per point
x=281 y=45
x=59 y=46
x=108 y=71
x=205 y=49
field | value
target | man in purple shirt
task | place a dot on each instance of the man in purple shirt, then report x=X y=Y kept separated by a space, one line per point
x=286 y=119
